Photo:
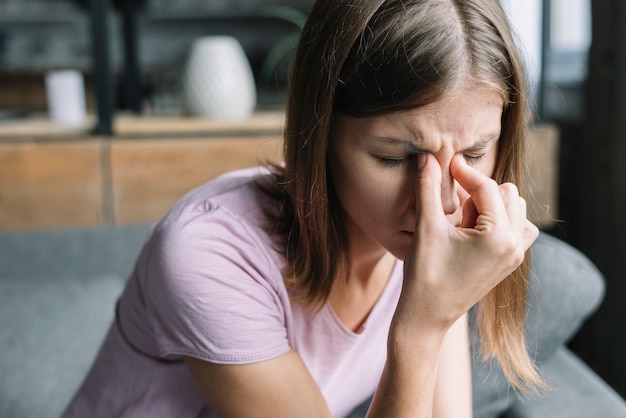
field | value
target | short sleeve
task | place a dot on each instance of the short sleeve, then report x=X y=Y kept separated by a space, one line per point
x=213 y=291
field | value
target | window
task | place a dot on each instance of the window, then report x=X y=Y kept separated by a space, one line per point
x=554 y=37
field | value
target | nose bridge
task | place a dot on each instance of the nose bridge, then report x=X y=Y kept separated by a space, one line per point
x=449 y=195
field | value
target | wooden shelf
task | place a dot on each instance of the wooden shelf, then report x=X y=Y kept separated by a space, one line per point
x=259 y=124
x=41 y=128
x=52 y=177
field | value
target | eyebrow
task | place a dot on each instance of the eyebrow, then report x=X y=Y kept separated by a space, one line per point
x=413 y=148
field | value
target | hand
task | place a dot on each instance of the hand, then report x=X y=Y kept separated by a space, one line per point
x=449 y=268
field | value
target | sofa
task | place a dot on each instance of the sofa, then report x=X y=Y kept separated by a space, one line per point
x=58 y=289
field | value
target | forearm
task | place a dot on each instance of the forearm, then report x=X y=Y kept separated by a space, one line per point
x=407 y=385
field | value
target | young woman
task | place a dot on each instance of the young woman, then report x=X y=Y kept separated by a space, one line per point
x=302 y=289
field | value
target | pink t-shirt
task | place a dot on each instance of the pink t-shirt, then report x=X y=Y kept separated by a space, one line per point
x=208 y=284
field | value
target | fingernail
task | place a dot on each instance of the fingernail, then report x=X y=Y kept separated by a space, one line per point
x=421 y=160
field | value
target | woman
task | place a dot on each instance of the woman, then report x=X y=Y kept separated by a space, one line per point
x=303 y=289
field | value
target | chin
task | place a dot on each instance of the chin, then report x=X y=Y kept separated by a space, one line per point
x=399 y=251
x=397 y=244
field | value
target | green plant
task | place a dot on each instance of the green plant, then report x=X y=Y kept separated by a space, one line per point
x=281 y=49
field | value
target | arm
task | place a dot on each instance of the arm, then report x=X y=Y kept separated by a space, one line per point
x=447 y=270
x=441 y=383
x=280 y=387
x=453 y=389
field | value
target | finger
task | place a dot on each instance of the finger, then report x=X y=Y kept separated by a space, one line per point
x=483 y=190
x=428 y=190
x=470 y=214
x=516 y=208
x=531 y=232
x=514 y=204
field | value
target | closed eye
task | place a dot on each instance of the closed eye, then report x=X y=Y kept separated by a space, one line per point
x=396 y=161
x=474 y=159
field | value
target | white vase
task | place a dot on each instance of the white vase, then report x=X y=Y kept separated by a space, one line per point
x=217 y=80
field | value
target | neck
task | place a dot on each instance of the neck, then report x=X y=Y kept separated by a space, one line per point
x=353 y=299
x=366 y=267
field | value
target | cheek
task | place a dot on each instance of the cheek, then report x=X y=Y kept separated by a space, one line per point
x=382 y=188
x=396 y=196
x=376 y=193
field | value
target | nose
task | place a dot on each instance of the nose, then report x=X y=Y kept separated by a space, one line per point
x=449 y=193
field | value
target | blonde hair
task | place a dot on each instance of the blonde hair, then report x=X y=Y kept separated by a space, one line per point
x=370 y=57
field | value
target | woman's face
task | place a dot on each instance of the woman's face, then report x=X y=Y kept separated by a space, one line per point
x=373 y=163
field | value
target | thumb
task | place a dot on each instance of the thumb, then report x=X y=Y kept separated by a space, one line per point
x=428 y=191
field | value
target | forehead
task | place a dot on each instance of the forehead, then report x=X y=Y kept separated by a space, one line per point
x=460 y=107
x=467 y=116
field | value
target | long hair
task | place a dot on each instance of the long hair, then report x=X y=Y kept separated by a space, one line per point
x=371 y=57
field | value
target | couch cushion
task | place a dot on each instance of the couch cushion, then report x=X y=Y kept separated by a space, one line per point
x=51 y=330
x=57 y=298
x=70 y=252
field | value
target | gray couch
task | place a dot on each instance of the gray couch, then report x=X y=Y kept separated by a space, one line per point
x=58 y=289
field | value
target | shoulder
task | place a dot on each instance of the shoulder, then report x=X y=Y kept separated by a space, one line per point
x=232 y=209
x=239 y=192
x=209 y=275
x=222 y=223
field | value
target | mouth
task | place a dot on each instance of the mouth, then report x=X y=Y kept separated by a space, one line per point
x=408 y=234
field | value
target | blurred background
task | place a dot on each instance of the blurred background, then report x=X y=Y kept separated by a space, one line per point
x=131 y=57
x=141 y=45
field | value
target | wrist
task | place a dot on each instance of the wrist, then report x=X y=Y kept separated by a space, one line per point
x=408 y=338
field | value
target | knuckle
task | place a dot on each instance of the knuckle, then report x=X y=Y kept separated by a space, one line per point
x=484 y=185
x=425 y=183
x=489 y=183
x=523 y=204
x=513 y=249
x=518 y=257
x=512 y=187
x=508 y=190
x=531 y=231
x=509 y=246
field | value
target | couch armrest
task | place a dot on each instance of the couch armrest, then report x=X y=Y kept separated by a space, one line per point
x=564 y=289
x=577 y=392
